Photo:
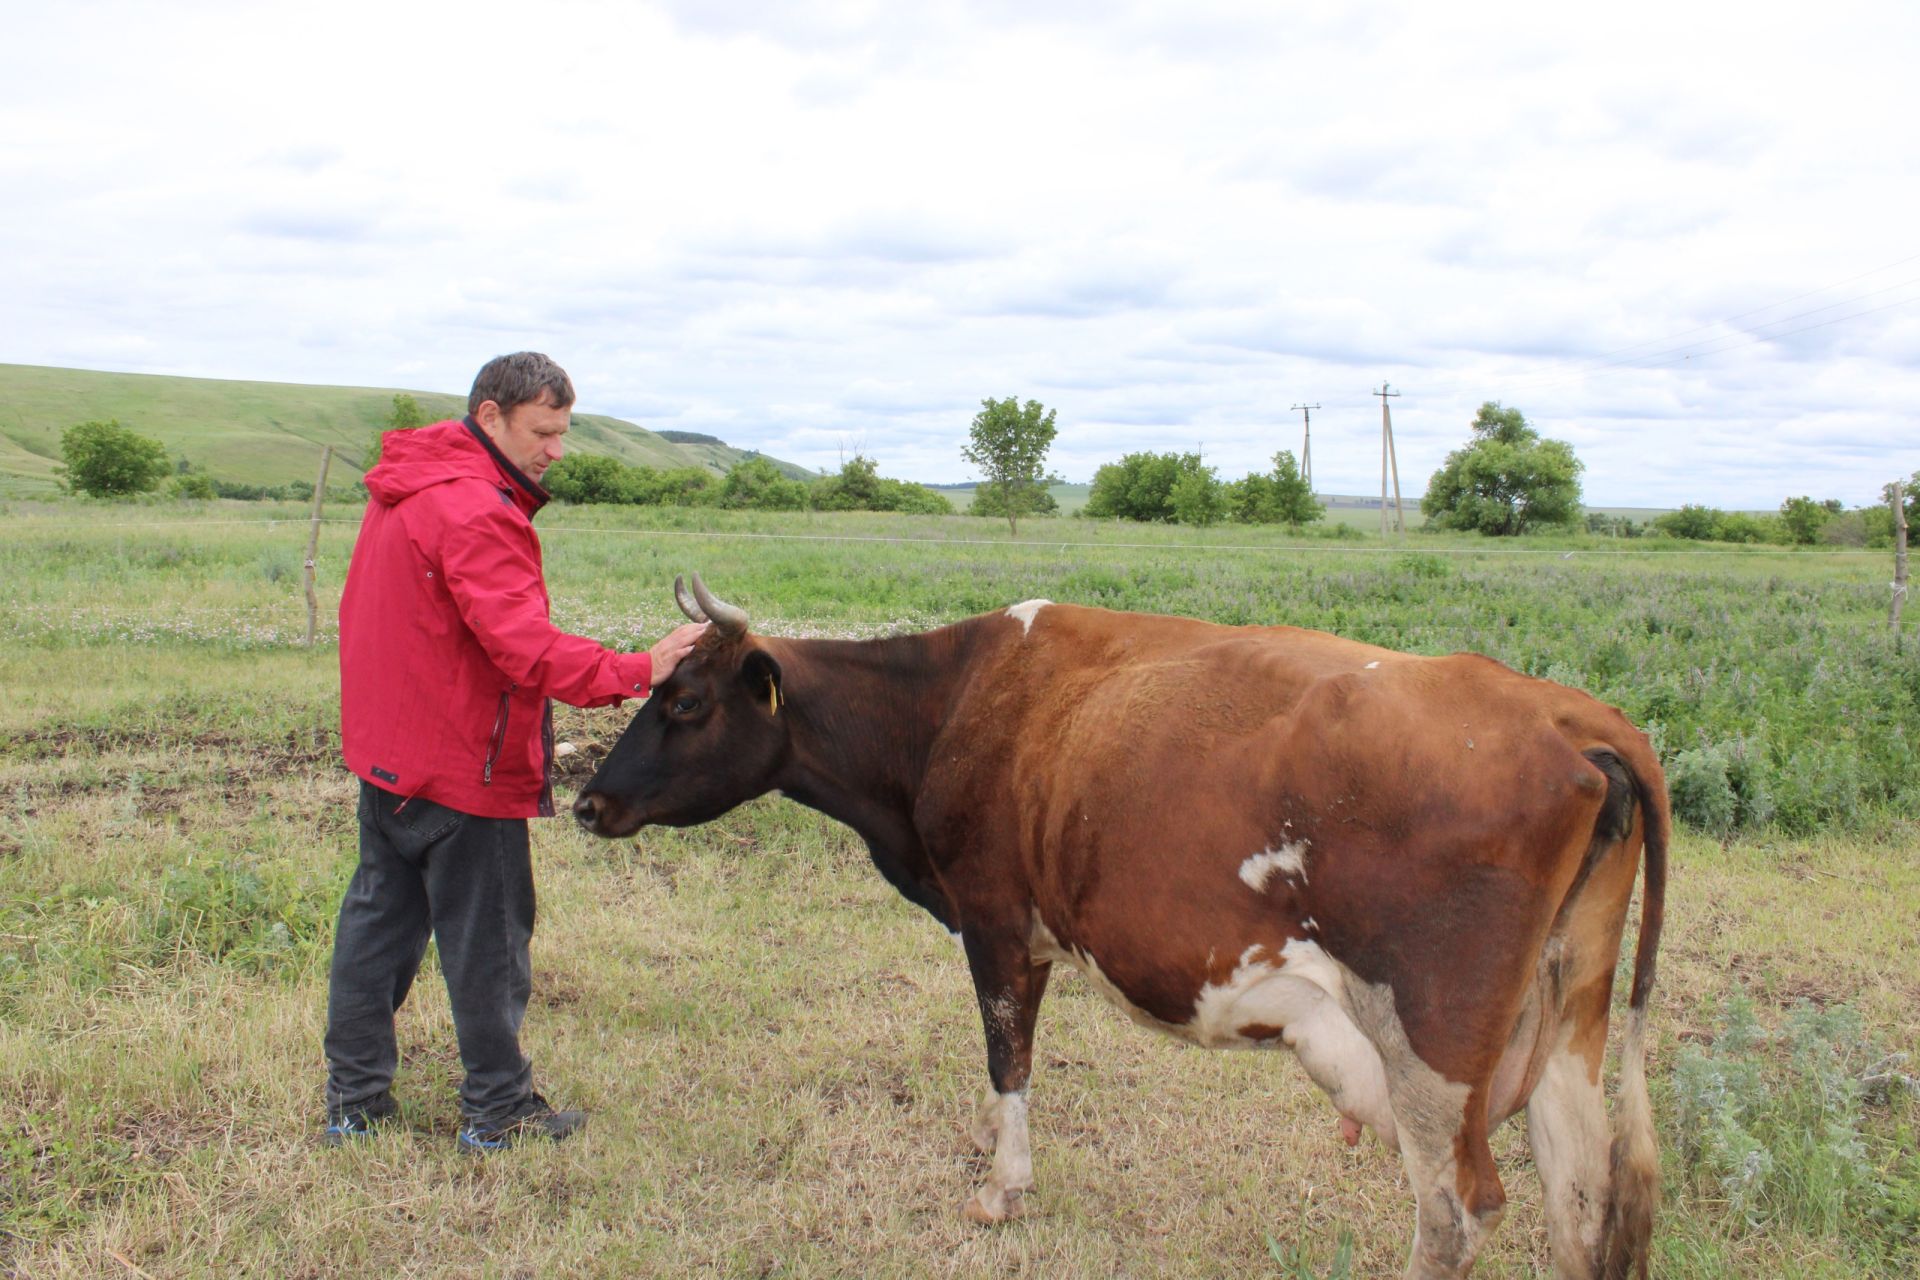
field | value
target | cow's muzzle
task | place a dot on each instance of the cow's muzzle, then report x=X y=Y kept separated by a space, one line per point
x=597 y=812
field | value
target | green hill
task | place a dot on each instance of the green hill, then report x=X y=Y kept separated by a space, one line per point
x=262 y=432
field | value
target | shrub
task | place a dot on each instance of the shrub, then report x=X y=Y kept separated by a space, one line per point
x=1720 y=786
x=587 y=478
x=1140 y=486
x=105 y=460
x=861 y=487
x=1777 y=1125
x=756 y=484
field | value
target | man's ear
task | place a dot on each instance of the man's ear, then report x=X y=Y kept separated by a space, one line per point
x=762 y=675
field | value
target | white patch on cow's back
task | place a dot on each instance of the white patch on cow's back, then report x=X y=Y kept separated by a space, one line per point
x=1373 y=664
x=1290 y=859
x=1024 y=611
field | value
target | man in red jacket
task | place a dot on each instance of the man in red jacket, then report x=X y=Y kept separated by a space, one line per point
x=447 y=661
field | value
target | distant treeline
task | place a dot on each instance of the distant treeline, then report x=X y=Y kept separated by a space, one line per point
x=753 y=484
x=1800 y=522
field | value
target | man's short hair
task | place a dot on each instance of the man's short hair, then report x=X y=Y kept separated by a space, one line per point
x=525 y=377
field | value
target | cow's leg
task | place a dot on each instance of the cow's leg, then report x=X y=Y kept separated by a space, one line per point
x=1567 y=1112
x=1442 y=1127
x=1008 y=984
x=1567 y=1128
x=1456 y=1189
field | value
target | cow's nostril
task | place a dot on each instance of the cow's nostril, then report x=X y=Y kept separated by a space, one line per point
x=586 y=810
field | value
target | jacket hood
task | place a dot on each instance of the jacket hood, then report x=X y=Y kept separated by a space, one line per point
x=453 y=450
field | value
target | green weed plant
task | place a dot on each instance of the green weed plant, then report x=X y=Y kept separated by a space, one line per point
x=1791 y=1128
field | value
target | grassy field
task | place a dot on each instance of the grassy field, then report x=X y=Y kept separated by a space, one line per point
x=266 y=433
x=778 y=1051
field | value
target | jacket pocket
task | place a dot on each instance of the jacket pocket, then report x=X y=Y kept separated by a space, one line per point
x=499 y=736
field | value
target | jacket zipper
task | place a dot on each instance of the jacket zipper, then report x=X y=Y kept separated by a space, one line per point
x=545 y=807
x=499 y=737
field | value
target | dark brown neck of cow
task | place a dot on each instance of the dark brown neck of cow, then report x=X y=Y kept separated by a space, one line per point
x=865 y=714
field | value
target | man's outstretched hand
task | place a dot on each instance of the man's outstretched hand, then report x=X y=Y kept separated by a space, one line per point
x=672 y=647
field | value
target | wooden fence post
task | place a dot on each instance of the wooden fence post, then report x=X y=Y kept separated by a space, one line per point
x=313 y=539
x=1896 y=495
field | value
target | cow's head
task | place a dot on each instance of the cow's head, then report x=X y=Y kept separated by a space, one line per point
x=709 y=738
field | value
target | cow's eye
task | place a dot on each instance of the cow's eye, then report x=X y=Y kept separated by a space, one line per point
x=685 y=704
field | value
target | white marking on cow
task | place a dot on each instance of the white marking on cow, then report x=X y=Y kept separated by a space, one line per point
x=1025 y=611
x=1373 y=664
x=1303 y=992
x=1429 y=1111
x=1310 y=925
x=1004 y=1117
x=1567 y=1128
x=1290 y=858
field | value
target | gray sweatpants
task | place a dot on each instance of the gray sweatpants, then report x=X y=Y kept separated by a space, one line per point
x=425 y=868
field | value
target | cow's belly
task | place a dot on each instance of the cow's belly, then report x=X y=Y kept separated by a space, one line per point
x=1291 y=998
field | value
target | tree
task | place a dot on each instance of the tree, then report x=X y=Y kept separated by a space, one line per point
x=1692 y=521
x=584 y=478
x=1009 y=442
x=1507 y=479
x=986 y=502
x=1279 y=497
x=105 y=459
x=861 y=487
x=1198 y=497
x=756 y=483
x=407 y=414
x=1140 y=486
x=856 y=488
x=1803 y=518
x=194 y=484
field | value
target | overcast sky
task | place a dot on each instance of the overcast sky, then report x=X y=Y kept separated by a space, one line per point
x=1684 y=237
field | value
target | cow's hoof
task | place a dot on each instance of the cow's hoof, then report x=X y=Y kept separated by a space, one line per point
x=989 y=1206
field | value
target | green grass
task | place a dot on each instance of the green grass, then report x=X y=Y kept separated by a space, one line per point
x=777 y=1049
x=255 y=432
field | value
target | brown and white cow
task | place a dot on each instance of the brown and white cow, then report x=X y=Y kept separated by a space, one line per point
x=1414 y=872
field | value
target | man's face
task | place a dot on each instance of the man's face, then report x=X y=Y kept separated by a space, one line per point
x=528 y=434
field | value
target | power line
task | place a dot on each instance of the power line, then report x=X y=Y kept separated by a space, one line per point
x=1774 y=337
x=1397 y=548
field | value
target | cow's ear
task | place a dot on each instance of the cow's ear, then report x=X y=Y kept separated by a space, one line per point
x=762 y=675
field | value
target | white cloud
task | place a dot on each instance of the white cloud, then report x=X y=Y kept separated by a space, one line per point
x=809 y=227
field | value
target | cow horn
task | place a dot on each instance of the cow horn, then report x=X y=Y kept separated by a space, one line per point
x=687 y=606
x=730 y=619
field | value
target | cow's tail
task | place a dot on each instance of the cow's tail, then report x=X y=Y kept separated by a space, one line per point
x=1634 y=1191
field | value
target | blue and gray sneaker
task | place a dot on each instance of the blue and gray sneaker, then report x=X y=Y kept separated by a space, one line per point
x=361 y=1120
x=531 y=1118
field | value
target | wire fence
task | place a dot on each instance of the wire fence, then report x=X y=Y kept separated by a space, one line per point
x=1643 y=548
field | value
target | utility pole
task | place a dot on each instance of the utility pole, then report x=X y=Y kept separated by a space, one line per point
x=1306 y=443
x=1388 y=459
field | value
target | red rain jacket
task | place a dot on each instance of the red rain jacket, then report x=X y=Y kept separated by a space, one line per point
x=447 y=656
